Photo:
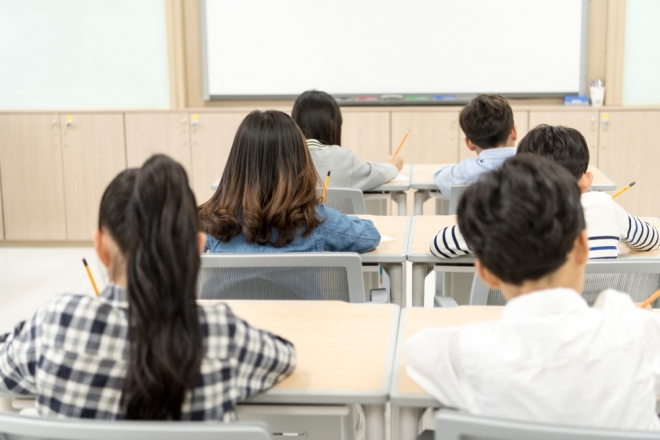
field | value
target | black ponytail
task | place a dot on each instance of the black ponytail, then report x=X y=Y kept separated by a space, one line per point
x=162 y=263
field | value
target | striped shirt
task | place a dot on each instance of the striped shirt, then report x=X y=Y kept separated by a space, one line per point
x=607 y=225
x=74 y=353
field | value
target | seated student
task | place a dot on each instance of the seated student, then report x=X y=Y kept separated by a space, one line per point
x=487 y=122
x=607 y=222
x=143 y=349
x=550 y=358
x=267 y=199
x=318 y=116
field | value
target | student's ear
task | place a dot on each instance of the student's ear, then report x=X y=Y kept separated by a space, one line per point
x=201 y=242
x=514 y=133
x=585 y=181
x=470 y=145
x=487 y=276
x=101 y=247
x=581 y=249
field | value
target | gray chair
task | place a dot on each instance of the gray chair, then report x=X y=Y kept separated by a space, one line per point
x=285 y=276
x=346 y=200
x=456 y=425
x=17 y=427
x=638 y=278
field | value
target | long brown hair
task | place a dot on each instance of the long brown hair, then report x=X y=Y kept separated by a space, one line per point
x=269 y=183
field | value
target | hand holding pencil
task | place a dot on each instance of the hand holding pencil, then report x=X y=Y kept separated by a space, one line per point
x=395 y=159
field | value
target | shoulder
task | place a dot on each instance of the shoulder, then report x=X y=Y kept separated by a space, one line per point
x=596 y=198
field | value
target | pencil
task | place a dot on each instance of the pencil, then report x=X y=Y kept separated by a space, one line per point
x=91 y=278
x=405 y=136
x=625 y=188
x=325 y=187
x=650 y=299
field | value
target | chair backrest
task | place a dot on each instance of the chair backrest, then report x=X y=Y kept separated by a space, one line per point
x=455 y=197
x=282 y=276
x=638 y=278
x=17 y=427
x=346 y=200
x=455 y=425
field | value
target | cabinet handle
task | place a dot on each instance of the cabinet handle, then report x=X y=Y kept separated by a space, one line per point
x=53 y=122
x=184 y=120
x=605 y=120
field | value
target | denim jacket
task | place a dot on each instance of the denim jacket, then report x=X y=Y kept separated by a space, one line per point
x=337 y=233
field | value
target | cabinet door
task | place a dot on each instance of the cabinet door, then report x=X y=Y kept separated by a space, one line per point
x=32 y=185
x=152 y=133
x=628 y=153
x=520 y=118
x=93 y=153
x=212 y=137
x=367 y=134
x=433 y=136
x=2 y=225
x=586 y=122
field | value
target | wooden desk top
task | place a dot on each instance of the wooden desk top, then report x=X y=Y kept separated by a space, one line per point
x=345 y=351
x=422 y=178
x=424 y=227
x=395 y=227
x=395 y=185
x=404 y=390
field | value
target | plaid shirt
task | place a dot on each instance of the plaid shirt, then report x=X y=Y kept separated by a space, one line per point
x=73 y=356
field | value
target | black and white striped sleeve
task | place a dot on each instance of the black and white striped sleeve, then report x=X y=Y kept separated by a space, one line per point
x=449 y=243
x=641 y=235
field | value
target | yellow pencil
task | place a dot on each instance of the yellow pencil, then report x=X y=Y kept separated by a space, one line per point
x=650 y=299
x=91 y=278
x=625 y=188
x=405 y=136
x=325 y=187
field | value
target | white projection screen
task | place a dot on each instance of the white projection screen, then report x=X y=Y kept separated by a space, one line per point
x=256 y=49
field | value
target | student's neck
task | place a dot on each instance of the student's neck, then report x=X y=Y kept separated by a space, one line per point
x=117 y=275
x=565 y=277
x=478 y=150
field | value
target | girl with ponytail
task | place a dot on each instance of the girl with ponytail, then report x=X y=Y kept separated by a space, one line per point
x=143 y=349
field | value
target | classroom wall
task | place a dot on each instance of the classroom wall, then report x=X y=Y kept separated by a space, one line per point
x=83 y=54
x=642 y=57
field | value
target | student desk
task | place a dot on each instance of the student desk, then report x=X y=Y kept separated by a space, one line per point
x=421 y=180
x=392 y=254
x=345 y=353
x=424 y=228
x=406 y=394
x=396 y=189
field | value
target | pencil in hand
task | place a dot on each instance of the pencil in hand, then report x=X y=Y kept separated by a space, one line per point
x=625 y=188
x=91 y=278
x=405 y=136
x=650 y=299
x=325 y=186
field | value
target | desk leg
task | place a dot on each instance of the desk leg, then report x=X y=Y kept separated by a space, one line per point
x=421 y=196
x=409 y=423
x=401 y=200
x=419 y=273
x=397 y=286
x=374 y=424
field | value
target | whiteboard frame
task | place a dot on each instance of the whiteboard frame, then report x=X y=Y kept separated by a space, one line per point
x=383 y=99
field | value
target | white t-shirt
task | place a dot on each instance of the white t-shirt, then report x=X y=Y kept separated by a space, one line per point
x=551 y=359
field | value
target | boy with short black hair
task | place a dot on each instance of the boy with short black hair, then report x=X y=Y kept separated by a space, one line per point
x=550 y=358
x=490 y=131
x=607 y=222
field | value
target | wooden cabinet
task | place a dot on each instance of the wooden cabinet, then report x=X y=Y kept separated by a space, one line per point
x=367 y=134
x=212 y=135
x=32 y=182
x=433 y=136
x=151 y=133
x=520 y=118
x=2 y=225
x=93 y=153
x=627 y=152
x=586 y=122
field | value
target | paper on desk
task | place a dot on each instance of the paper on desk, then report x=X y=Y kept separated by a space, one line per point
x=385 y=238
x=401 y=177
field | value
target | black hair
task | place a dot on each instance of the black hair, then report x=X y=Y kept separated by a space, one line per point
x=564 y=145
x=522 y=219
x=487 y=121
x=152 y=216
x=318 y=116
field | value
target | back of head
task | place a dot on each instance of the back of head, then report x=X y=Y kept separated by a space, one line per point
x=564 y=145
x=269 y=183
x=522 y=219
x=318 y=116
x=487 y=121
x=114 y=203
x=162 y=261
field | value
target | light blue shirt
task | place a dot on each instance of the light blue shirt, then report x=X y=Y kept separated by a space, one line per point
x=337 y=233
x=468 y=171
